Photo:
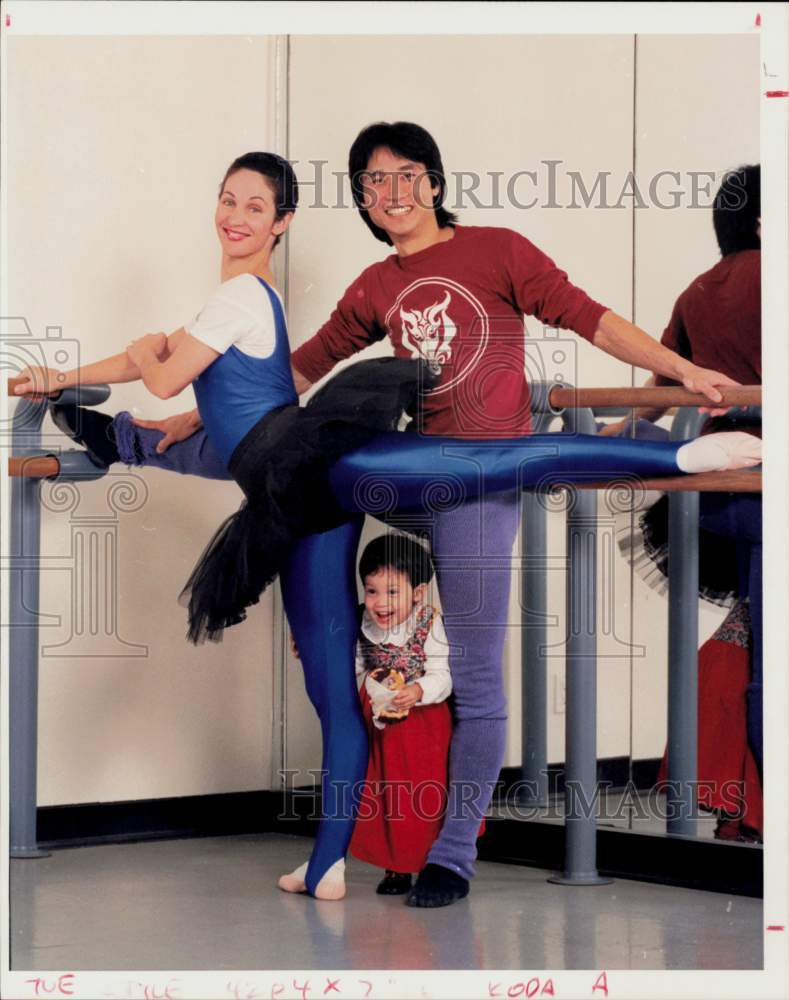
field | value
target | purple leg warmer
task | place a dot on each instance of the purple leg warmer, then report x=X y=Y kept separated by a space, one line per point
x=472 y=547
x=195 y=456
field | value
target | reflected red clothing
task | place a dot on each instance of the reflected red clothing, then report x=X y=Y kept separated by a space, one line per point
x=717 y=322
x=459 y=304
x=727 y=773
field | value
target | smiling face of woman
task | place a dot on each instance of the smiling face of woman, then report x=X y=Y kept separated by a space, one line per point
x=245 y=217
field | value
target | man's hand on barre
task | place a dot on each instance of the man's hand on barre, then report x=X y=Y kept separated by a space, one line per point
x=706 y=381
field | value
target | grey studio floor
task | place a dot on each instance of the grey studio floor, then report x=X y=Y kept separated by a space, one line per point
x=213 y=904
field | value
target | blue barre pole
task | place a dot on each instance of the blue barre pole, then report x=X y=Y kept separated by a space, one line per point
x=23 y=640
x=24 y=612
x=580 y=797
x=683 y=644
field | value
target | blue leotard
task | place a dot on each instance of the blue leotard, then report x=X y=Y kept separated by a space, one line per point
x=237 y=389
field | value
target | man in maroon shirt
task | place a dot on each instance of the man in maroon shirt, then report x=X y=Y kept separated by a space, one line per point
x=456 y=296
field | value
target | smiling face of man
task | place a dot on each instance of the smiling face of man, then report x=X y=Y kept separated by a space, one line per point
x=398 y=194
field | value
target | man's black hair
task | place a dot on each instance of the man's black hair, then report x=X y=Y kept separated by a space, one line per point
x=737 y=209
x=410 y=141
x=277 y=171
x=400 y=553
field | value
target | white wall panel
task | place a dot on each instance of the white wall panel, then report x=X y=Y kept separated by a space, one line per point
x=116 y=147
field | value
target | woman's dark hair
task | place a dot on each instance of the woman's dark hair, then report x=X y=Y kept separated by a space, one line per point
x=737 y=209
x=277 y=171
x=404 y=139
x=400 y=553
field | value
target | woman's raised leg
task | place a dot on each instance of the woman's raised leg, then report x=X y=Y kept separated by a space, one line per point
x=410 y=471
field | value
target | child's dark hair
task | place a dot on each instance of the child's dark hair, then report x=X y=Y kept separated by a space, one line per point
x=405 y=139
x=277 y=171
x=737 y=209
x=400 y=553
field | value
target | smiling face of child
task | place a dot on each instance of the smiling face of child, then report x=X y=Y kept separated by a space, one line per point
x=389 y=596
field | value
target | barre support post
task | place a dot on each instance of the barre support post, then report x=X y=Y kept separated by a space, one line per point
x=23 y=639
x=580 y=822
x=683 y=645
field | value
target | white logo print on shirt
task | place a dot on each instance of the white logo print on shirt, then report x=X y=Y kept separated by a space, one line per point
x=430 y=331
x=442 y=322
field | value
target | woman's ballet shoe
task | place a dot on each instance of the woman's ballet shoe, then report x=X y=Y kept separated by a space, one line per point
x=331 y=886
x=718 y=452
x=294 y=882
x=90 y=428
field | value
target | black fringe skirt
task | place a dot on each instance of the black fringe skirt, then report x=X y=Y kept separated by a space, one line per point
x=282 y=466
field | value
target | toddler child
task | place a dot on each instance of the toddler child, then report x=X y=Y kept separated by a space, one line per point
x=402 y=665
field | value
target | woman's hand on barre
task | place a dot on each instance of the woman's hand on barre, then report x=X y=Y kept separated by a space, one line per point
x=41 y=382
x=175 y=428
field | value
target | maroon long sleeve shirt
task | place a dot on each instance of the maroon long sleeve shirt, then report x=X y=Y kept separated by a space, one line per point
x=459 y=305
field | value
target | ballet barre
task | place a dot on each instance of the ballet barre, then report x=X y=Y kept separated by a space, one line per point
x=27 y=467
x=581 y=642
x=566 y=397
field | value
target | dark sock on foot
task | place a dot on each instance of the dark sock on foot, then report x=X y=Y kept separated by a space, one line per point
x=89 y=428
x=437 y=886
x=394 y=884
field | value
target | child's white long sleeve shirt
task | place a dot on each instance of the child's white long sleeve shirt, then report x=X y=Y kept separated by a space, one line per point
x=436 y=683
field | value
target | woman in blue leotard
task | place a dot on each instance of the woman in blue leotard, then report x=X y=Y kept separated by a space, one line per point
x=303 y=513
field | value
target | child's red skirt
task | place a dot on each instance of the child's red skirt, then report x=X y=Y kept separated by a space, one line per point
x=405 y=793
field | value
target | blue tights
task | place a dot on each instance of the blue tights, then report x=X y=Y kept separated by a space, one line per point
x=325 y=625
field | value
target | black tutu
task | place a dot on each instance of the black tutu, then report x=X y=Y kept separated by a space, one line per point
x=646 y=548
x=282 y=466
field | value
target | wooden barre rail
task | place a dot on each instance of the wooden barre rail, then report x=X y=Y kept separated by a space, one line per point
x=668 y=395
x=34 y=466
x=47 y=466
x=700 y=482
